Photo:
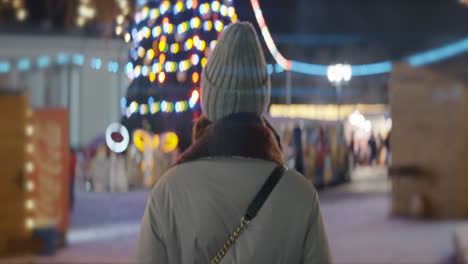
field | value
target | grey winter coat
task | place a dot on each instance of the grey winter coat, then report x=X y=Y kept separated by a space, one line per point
x=195 y=206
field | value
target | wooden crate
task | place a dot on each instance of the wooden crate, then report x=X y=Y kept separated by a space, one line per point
x=429 y=135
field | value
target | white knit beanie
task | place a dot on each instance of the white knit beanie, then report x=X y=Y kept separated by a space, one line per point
x=235 y=78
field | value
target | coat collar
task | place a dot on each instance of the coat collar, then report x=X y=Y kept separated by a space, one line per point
x=242 y=134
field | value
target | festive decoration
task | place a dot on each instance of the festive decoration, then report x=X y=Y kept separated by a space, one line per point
x=121 y=20
x=18 y=7
x=86 y=12
x=323 y=112
x=171 y=40
x=170 y=142
x=117 y=137
x=30 y=203
x=309 y=68
x=144 y=140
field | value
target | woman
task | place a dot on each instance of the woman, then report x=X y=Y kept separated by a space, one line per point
x=197 y=204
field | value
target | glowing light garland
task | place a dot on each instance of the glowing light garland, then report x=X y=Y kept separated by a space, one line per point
x=419 y=59
x=438 y=54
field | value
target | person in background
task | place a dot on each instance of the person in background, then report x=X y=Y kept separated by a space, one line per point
x=73 y=162
x=299 y=154
x=211 y=189
x=387 y=146
x=322 y=150
x=380 y=148
x=352 y=153
x=373 y=149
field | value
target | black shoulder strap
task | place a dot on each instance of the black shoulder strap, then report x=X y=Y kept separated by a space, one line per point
x=252 y=211
x=264 y=192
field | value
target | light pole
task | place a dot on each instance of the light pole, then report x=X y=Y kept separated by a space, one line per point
x=339 y=74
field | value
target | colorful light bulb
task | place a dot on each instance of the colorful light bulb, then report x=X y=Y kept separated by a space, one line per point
x=161 y=77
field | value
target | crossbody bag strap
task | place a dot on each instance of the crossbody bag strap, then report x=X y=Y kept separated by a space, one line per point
x=252 y=211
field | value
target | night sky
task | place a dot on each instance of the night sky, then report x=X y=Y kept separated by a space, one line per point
x=399 y=26
x=300 y=27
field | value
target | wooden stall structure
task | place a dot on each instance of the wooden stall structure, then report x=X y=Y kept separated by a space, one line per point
x=16 y=168
x=429 y=143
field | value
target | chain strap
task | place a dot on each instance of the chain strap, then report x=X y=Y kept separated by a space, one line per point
x=232 y=238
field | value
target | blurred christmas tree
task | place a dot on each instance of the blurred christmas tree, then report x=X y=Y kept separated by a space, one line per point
x=171 y=43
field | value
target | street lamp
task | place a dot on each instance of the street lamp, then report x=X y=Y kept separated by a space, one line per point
x=339 y=74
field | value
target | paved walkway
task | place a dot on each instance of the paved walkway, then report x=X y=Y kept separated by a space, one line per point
x=361 y=230
x=356 y=216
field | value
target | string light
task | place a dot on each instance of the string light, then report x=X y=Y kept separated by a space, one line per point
x=29 y=223
x=168 y=66
x=141 y=52
x=196 y=40
x=207 y=25
x=156 y=31
x=175 y=48
x=30 y=186
x=161 y=77
x=29 y=167
x=144 y=109
x=144 y=70
x=150 y=54
x=195 y=4
x=29 y=148
x=286 y=64
x=224 y=10
x=144 y=12
x=146 y=32
x=215 y=5
x=188 y=44
x=195 y=22
x=194 y=98
x=154 y=13
x=152 y=77
x=195 y=59
x=133 y=107
x=162 y=46
x=178 y=7
x=155 y=108
x=203 y=62
x=231 y=11
x=165 y=5
x=219 y=25
x=137 y=71
x=162 y=58
x=204 y=9
x=29 y=130
x=21 y=14
x=157 y=67
x=189 y=4
x=163 y=106
x=213 y=44
x=86 y=12
x=234 y=18
x=121 y=18
x=195 y=77
x=201 y=45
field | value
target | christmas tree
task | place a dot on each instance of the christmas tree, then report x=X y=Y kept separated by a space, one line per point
x=171 y=43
